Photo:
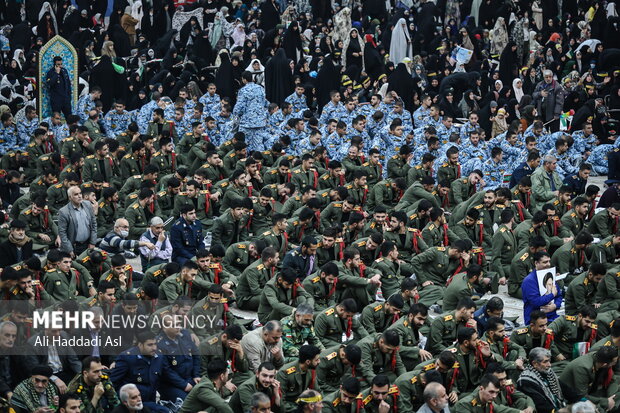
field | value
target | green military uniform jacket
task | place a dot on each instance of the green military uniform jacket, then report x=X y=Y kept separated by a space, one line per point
x=433 y=265
x=471 y=368
x=409 y=341
x=375 y=362
x=155 y=274
x=62 y=288
x=375 y=318
x=472 y=404
x=359 y=193
x=212 y=348
x=397 y=167
x=416 y=174
x=506 y=349
x=57 y=197
x=240 y=400
x=415 y=193
x=333 y=331
x=449 y=172
x=368 y=405
x=436 y=236
x=573 y=222
x=524 y=338
x=277 y=302
x=204 y=397
x=567 y=335
x=390 y=276
x=411 y=390
x=581 y=291
x=477 y=233
x=374 y=172
x=216 y=318
x=294 y=336
x=252 y=281
x=608 y=291
x=383 y=194
x=331 y=371
x=520 y=266
x=568 y=259
x=409 y=245
x=525 y=231
x=173 y=287
x=226 y=230
x=504 y=249
x=603 y=224
x=131 y=166
x=138 y=222
x=353 y=283
x=461 y=190
x=322 y=293
x=40 y=224
x=167 y=163
x=605 y=320
x=459 y=288
x=333 y=404
x=237 y=258
x=581 y=377
x=443 y=332
x=333 y=215
x=93 y=166
x=293 y=381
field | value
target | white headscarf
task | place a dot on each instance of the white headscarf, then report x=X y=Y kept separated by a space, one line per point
x=238 y=35
x=137 y=13
x=48 y=8
x=400 y=46
x=346 y=46
x=518 y=90
x=251 y=69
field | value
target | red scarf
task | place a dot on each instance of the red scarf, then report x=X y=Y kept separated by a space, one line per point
x=455 y=376
x=458 y=170
x=414 y=240
x=446 y=242
x=46 y=218
x=233 y=356
x=349 y=326
x=548 y=341
x=505 y=341
x=173 y=161
x=520 y=211
x=481 y=234
x=207 y=203
x=480 y=358
x=509 y=392
x=332 y=289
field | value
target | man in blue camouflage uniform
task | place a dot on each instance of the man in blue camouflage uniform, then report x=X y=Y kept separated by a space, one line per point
x=309 y=143
x=474 y=152
x=469 y=126
x=8 y=134
x=57 y=126
x=494 y=169
x=210 y=101
x=446 y=129
x=146 y=113
x=583 y=141
x=182 y=125
x=336 y=140
x=598 y=159
x=368 y=109
x=117 y=120
x=27 y=125
x=251 y=108
x=297 y=99
x=512 y=154
x=431 y=146
x=565 y=166
x=424 y=111
x=87 y=102
x=224 y=121
x=333 y=108
x=348 y=113
x=399 y=112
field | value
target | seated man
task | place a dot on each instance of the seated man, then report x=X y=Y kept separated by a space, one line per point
x=36 y=393
x=208 y=394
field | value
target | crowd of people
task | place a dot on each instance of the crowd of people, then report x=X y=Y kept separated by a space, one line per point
x=339 y=188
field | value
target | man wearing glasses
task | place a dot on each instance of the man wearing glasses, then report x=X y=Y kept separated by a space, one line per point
x=546 y=181
x=549 y=99
x=59 y=86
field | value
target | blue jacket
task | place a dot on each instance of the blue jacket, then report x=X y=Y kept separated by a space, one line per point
x=186 y=239
x=532 y=300
x=145 y=372
x=183 y=358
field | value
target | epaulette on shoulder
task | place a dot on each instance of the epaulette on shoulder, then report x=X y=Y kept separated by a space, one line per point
x=444 y=165
x=132 y=196
x=378 y=307
x=243 y=246
x=58 y=186
x=213 y=340
x=367 y=400
x=524 y=256
x=361 y=244
x=127 y=156
x=157 y=153
x=291 y=370
x=29 y=211
x=316 y=280
x=431 y=227
x=549 y=331
x=570 y=317
x=441 y=248
x=428 y=367
x=161 y=193
x=260 y=267
x=136 y=206
x=331 y=355
x=137 y=177
x=329 y=311
x=479 y=206
x=448 y=317
x=366 y=164
x=90 y=157
x=476 y=250
x=522 y=330
x=232 y=155
x=31 y=145
x=393 y=390
x=379 y=259
x=338 y=205
x=502 y=229
x=395 y=157
x=414 y=380
x=594 y=326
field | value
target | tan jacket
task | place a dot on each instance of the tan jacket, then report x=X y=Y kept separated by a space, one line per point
x=128 y=23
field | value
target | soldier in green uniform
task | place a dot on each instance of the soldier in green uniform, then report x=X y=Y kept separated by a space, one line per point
x=210 y=392
x=165 y=158
x=574 y=219
x=93 y=387
x=606 y=251
x=337 y=324
x=337 y=364
x=412 y=329
x=461 y=286
x=322 y=287
x=472 y=227
x=63 y=282
x=213 y=312
x=571 y=257
x=398 y=165
x=512 y=353
x=226 y=346
x=386 y=193
x=298 y=375
x=530 y=228
x=135 y=182
x=574 y=334
x=588 y=377
x=254 y=278
x=158 y=273
x=504 y=246
x=522 y=264
x=134 y=162
x=482 y=400
x=297 y=330
x=408 y=240
x=101 y=162
x=377 y=317
x=337 y=212
x=40 y=226
x=583 y=289
x=355 y=280
x=180 y=284
x=605 y=222
x=280 y=295
x=140 y=212
x=443 y=331
x=240 y=255
x=108 y=211
x=344 y=399
x=462 y=189
x=380 y=397
x=47 y=178
x=305 y=174
x=611 y=339
x=537 y=335
x=358 y=188
x=508 y=395
x=279 y=175
x=424 y=169
x=57 y=194
x=264 y=383
x=230 y=227
x=166 y=198
x=120 y=275
x=380 y=355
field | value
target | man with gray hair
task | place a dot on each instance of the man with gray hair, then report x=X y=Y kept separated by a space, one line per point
x=10 y=370
x=155 y=235
x=264 y=344
x=546 y=182
x=297 y=330
x=260 y=403
x=583 y=407
x=549 y=99
x=116 y=242
x=131 y=400
x=77 y=224
x=540 y=382
x=435 y=399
